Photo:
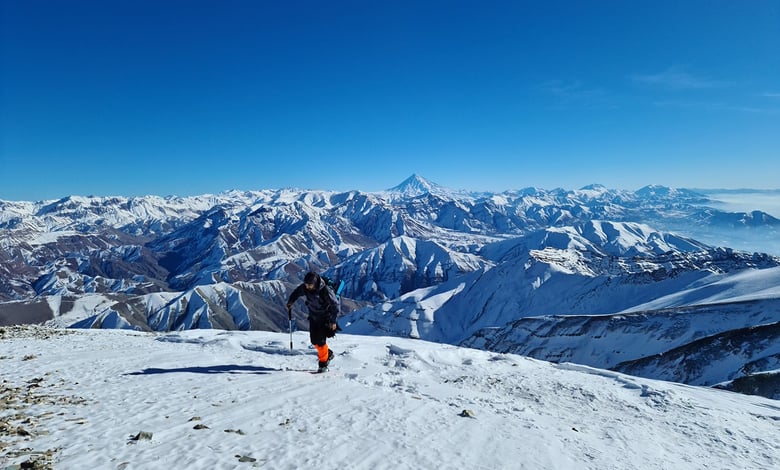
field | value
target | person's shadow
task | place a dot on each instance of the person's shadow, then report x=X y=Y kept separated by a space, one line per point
x=226 y=369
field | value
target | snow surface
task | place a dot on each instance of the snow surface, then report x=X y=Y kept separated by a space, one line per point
x=743 y=286
x=387 y=403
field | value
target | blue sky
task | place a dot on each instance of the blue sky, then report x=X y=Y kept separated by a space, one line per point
x=193 y=97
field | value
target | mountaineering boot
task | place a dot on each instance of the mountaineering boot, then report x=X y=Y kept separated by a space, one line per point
x=323 y=366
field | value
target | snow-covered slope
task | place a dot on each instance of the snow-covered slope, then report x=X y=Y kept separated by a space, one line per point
x=565 y=294
x=650 y=343
x=596 y=268
x=209 y=399
x=237 y=306
x=401 y=265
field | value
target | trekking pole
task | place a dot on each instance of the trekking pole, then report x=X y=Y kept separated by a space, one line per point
x=289 y=317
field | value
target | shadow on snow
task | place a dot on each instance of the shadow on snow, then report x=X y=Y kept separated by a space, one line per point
x=226 y=369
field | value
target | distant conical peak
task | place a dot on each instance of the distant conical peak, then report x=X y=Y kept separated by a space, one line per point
x=415 y=184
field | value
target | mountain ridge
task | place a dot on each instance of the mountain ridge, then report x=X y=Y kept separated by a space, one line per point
x=422 y=261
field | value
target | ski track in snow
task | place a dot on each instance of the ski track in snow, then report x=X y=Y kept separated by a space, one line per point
x=387 y=403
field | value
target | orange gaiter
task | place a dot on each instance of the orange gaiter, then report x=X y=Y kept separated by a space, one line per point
x=322 y=352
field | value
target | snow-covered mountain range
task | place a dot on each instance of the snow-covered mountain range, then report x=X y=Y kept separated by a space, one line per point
x=619 y=279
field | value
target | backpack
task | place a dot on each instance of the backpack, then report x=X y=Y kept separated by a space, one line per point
x=334 y=285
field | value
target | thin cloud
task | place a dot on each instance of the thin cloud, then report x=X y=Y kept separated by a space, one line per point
x=715 y=106
x=571 y=89
x=574 y=92
x=677 y=78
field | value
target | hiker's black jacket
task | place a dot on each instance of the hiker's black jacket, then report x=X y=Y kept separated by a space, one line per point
x=322 y=303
